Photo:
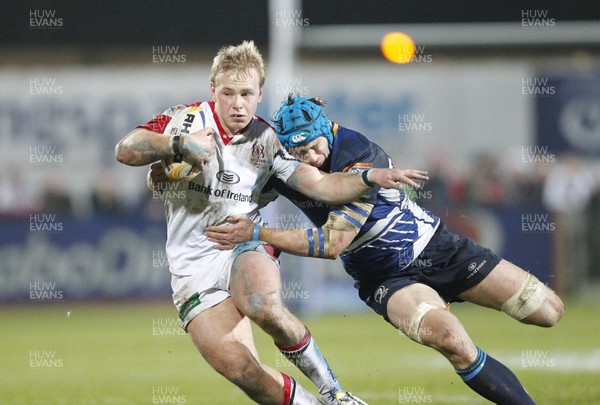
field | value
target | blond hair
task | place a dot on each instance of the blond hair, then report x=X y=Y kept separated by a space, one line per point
x=240 y=59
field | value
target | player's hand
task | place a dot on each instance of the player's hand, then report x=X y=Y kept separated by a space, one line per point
x=241 y=229
x=199 y=147
x=156 y=177
x=396 y=178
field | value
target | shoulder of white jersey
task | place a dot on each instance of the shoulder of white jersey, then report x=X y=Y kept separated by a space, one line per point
x=261 y=121
x=266 y=132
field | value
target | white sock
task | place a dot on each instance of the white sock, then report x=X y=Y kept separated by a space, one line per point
x=309 y=359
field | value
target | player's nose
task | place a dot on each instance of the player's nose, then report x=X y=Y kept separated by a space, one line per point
x=237 y=102
x=312 y=158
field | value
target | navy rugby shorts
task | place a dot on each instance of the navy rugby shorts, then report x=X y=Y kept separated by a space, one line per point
x=450 y=264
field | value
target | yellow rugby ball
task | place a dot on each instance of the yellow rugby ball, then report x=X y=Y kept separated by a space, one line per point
x=188 y=120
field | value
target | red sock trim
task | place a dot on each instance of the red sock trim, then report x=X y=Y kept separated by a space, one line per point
x=288 y=389
x=303 y=343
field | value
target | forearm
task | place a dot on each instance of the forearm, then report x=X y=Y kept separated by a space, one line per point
x=142 y=147
x=327 y=242
x=331 y=188
x=313 y=242
x=341 y=188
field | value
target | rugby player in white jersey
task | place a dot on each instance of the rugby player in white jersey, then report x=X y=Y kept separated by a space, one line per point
x=406 y=265
x=218 y=292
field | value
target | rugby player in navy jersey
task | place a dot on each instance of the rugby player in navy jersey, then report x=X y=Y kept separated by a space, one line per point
x=407 y=266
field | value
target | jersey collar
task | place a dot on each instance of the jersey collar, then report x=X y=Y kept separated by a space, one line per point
x=334 y=128
x=224 y=136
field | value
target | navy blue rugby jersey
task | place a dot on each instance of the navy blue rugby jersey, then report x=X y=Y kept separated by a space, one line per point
x=396 y=231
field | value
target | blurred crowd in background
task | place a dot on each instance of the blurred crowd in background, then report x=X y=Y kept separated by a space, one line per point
x=565 y=188
x=563 y=185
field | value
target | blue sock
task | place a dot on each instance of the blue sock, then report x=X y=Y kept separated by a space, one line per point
x=494 y=381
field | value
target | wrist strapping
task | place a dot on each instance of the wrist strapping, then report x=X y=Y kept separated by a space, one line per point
x=256 y=232
x=177 y=149
x=364 y=176
x=316 y=235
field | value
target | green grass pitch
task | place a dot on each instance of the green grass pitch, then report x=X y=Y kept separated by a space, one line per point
x=132 y=353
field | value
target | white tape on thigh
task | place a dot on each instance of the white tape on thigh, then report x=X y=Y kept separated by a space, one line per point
x=528 y=298
x=415 y=321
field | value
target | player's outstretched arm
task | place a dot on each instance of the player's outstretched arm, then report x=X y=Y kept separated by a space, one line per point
x=342 y=188
x=141 y=147
x=396 y=178
x=328 y=242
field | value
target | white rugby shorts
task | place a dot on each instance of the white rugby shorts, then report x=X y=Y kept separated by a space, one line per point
x=195 y=293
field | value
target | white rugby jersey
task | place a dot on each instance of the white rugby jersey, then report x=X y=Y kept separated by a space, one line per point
x=230 y=184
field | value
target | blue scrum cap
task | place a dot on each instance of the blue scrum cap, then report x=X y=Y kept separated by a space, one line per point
x=300 y=120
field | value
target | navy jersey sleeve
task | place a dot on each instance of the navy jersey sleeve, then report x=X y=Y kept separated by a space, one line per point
x=353 y=152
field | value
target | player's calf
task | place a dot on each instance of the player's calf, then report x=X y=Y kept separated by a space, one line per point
x=255 y=287
x=442 y=331
x=276 y=320
x=260 y=385
x=430 y=323
x=236 y=364
x=249 y=377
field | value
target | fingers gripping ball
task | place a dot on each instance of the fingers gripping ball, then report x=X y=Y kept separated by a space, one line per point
x=187 y=121
x=180 y=171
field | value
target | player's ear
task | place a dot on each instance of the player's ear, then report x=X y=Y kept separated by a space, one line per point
x=260 y=94
x=213 y=92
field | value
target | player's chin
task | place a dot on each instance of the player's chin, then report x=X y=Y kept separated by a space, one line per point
x=238 y=122
x=315 y=163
